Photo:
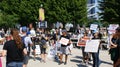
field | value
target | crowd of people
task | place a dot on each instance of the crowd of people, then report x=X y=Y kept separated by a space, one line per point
x=19 y=43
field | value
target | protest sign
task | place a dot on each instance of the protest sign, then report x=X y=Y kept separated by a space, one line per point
x=51 y=53
x=112 y=28
x=92 y=46
x=42 y=24
x=93 y=27
x=64 y=41
x=81 y=43
x=37 y=49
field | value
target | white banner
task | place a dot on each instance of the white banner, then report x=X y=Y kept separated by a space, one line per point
x=92 y=46
x=64 y=41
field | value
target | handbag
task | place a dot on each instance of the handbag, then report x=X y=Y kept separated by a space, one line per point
x=112 y=52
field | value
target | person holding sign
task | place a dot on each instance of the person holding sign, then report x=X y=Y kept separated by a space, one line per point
x=65 y=42
x=95 y=56
x=85 y=55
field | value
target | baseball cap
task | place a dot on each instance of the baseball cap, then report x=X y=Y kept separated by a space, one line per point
x=28 y=33
x=24 y=29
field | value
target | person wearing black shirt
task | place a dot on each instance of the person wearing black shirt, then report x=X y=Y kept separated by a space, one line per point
x=115 y=48
x=63 y=48
x=14 y=50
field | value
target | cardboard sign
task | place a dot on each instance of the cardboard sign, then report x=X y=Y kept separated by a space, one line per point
x=51 y=53
x=81 y=43
x=37 y=49
x=64 y=41
x=93 y=27
x=92 y=46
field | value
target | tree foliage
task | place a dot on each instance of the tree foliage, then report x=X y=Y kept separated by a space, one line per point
x=55 y=10
x=8 y=21
x=66 y=11
x=110 y=10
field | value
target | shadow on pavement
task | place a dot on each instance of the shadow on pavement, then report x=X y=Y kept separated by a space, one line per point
x=105 y=62
x=80 y=65
x=78 y=60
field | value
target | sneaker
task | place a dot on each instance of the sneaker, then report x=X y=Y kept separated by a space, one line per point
x=60 y=63
x=65 y=63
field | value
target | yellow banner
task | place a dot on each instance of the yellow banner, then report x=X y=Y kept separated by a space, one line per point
x=41 y=14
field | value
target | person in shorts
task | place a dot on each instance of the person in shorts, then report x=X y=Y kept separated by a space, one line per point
x=64 y=48
x=43 y=47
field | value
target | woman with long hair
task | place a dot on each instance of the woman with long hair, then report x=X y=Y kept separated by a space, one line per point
x=14 y=50
x=115 y=44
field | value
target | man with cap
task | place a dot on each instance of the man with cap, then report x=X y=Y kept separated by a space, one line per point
x=27 y=42
x=63 y=49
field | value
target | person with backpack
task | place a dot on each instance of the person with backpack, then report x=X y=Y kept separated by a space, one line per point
x=26 y=39
x=43 y=47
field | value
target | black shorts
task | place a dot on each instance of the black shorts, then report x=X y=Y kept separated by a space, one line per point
x=26 y=58
x=43 y=50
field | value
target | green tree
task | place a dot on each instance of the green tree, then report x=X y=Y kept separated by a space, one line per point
x=110 y=10
x=8 y=20
x=66 y=11
x=26 y=10
x=55 y=10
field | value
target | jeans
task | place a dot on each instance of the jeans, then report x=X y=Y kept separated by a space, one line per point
x=15 y=64
x=96 y=60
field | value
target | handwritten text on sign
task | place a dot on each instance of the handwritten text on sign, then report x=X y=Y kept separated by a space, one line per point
x=92 y=46
x=64 y=41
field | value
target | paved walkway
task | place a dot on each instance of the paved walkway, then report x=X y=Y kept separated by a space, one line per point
x=75 y=60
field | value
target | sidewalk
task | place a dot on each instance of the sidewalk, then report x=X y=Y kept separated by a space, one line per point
x=75 y=60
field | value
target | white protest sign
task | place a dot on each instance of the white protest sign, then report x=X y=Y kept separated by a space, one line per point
x=93 y=26
x=51 y=53
x=112 y=28
x=92 y=46
x=64 y=41
x=37 y=49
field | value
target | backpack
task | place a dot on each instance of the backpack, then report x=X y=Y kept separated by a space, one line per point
x=23 y=39
x=43 y=43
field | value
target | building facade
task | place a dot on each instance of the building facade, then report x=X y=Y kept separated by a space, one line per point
x=93 y=9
